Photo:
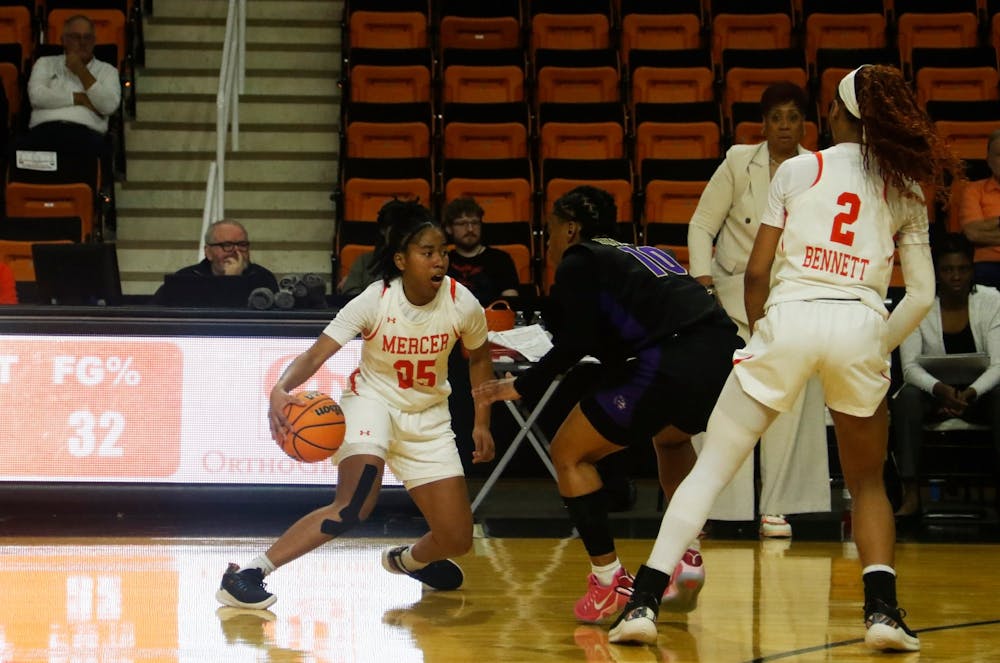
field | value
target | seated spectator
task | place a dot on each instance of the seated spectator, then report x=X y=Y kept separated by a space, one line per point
x=8 y=290
x=979 y=214
x=965 y=318
x=364 y=270
x=227 y=253
x=489 y=273
x=72 y=96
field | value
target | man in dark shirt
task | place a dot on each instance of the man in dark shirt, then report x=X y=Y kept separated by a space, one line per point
x=489 y=273
x=227 y=253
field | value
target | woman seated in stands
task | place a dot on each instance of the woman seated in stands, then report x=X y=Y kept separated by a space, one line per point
x=965 y=318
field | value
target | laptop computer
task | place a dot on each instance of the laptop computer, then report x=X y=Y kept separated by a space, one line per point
x=956 y=369
x=191 y=290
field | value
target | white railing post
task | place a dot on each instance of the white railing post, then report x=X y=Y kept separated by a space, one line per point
x=232 y=73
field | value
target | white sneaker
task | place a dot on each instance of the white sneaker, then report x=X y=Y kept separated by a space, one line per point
x=774 y=526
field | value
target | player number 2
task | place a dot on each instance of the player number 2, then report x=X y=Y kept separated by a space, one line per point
x=853 y=204
x=424 y=373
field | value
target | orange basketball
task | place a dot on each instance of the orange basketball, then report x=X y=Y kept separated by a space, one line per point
x=317 y=428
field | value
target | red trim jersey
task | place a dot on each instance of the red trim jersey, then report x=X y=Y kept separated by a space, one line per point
x=839 y=222
x=404 y=358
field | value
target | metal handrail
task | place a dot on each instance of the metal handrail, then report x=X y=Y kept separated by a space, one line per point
x=232 y=79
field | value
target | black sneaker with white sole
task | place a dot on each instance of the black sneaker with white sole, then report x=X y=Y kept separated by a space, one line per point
x=637 y=622
x=244 y=589
x=442 y=574
x=886 y=629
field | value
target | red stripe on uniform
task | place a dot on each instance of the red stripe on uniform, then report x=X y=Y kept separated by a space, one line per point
x=819 y=173
x=454 y=285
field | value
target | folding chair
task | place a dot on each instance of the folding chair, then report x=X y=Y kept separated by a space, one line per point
x=383 y=131
x=503 y=188
x=581 y=131
x=965 y=125
x=748 y=126
x=577 y=76
x=658 y=25
x=838 y=24
x=747 y=73
x=677 y=131
x=12 y=79
x=613 y=175
x=388 y=76
x=671 y=189
x=523 y=263
x=483 y=76
x=17 y=255
x=367 y=184
x=761 y=24
x=955 y=74
x=578 y=25
x=67 y=191
x=485 y=131
x=387 y=24
x=16 y=27
x=495 y=25
x=934 y=24
x=671 y=76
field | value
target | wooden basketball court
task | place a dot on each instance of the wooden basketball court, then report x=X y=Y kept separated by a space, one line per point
x=152 y=600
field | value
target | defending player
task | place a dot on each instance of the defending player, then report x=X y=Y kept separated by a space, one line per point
x=832 y=215
x=665 y=348
x=396 y=410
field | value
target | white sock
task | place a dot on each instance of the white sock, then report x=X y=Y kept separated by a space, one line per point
x=695 y=544
x=409 y=562
x=606 y=574
x=261 y=562
x=878 y=567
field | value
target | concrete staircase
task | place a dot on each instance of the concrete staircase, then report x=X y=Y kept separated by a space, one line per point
x=280 y=181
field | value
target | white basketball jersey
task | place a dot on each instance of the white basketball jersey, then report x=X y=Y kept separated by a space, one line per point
x=839 y=222
x=404 y=358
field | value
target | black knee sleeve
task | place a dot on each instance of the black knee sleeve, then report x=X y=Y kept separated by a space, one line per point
x=589 y=514
x=349 y=514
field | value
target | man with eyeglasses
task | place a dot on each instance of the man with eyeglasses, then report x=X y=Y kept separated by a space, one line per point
x=72 y=95
x=227 y=253
x=489 y=273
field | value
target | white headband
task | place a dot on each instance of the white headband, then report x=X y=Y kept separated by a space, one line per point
x=847 y=93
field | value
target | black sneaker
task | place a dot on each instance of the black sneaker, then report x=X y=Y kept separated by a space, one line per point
x=244 y=589
x=886 y=630
x=443 y=574
x=637 y=622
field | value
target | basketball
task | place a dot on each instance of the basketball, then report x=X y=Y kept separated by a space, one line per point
x=317 y=428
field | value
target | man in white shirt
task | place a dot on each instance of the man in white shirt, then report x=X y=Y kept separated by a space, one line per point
x=74 y=87
x=72 y=96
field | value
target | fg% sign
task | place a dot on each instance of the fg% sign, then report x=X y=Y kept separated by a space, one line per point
x=91 y=371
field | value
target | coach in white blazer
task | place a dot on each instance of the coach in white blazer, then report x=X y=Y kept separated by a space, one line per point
x=794 y=476
x=965 y=318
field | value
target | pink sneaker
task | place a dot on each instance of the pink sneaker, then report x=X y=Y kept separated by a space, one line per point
x=600 y=603
x=685 y=583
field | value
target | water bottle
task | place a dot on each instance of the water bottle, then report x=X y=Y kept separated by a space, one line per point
x=519 y=319
x=536 y=318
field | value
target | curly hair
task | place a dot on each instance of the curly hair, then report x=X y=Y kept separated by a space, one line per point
x=900 y=137
x=594 y=209
x=401 y=221
x=465 y=206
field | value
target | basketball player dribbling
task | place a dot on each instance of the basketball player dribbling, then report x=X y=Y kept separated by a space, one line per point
x=396 y=410
x=832 y=215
